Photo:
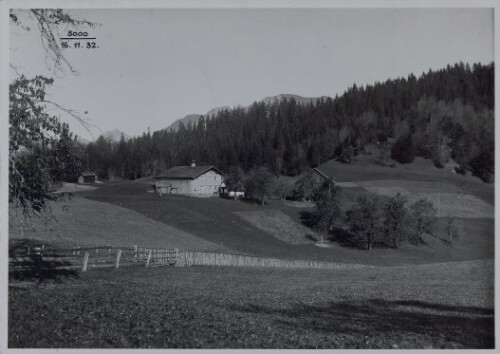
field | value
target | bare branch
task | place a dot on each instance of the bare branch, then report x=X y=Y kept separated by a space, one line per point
x=48 y=21
x=87 y=125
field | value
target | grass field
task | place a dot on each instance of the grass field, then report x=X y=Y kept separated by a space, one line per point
x=409 y=301
x=279 y=225
x=420 y=170
x=448 y=199
x=83 y=222
x=427 y=306
x=215 y=220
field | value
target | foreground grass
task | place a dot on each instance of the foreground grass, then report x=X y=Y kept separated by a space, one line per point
x=427 y=306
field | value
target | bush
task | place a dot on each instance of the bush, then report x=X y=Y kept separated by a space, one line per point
x=460 y=170
x=347 y=155
x=438 y=163
x=403 y=150
x=483 y=166
x=312 y=238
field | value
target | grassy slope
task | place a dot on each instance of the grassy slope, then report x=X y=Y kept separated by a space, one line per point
x=84 y=222
x=429 y=306
x=213 y=219
x=420 y=170
x=280 y=225
x=208 y=218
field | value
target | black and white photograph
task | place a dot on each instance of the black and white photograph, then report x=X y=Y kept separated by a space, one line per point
x=229 y=175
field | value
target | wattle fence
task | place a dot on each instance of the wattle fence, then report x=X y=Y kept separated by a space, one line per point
x=187 y=258
x=86 y=258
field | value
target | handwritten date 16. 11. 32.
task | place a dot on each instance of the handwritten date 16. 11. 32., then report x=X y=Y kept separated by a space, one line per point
x=78 y=40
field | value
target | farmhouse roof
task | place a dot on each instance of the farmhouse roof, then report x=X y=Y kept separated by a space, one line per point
x=88 y=174
x=322 y=174
x=186 y=172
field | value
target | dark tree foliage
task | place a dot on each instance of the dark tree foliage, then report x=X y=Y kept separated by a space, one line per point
x=395 y=213
x=42 y=151
x=365 y=218
x=327 y=208
x=446 y=112
x=482 y=165
x=403 y=150
x=421 y=218
x=258 y=183
x=66 y=156
x=234 y=180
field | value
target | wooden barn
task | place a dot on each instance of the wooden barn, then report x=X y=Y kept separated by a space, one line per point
x=87 y=177
x=189 y=180
x=310 y=182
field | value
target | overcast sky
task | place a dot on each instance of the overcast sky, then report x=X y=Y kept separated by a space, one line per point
x=155 y=66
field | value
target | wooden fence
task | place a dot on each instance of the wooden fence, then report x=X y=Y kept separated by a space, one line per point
x=107 y=256
x=92 y=257
x=188 y=258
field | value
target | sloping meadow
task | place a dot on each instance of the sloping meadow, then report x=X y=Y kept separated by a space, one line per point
x=448 y=199
x=280 y=225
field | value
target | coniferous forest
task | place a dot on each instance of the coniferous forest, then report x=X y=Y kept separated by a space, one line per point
x=443 y=114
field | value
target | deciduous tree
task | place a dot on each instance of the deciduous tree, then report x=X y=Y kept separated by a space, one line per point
x=327 y=208
x=394 y=214
x=422 y=215
x=39 y=145
x=258 y=183
x=365 y=218
x=234 y=179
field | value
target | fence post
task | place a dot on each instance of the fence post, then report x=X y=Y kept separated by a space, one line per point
x=135 y=253
x=148 y=259
x=118 y=256
x=176 y=257
x=85 y=261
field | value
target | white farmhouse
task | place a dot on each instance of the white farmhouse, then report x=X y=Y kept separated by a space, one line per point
x=189 y=180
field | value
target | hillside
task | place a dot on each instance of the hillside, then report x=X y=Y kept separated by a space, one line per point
x=248 y=228
x=190 y=118
x=86 y=223
x=441 y=115
x=366 y=168
x=216 y=110
x=194 y=118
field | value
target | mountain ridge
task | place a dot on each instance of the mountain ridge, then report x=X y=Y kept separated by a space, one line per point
x=194 y=118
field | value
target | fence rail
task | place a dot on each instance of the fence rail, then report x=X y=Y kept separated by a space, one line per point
x=107 y=256
x=188 y=258
x=91 y=257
